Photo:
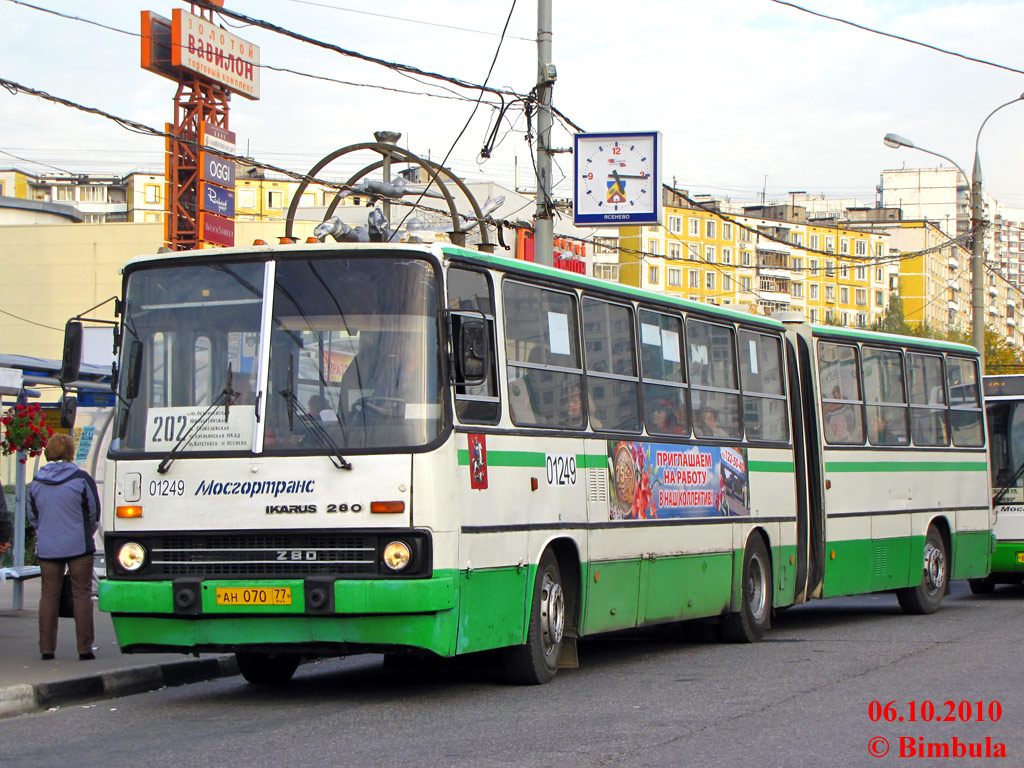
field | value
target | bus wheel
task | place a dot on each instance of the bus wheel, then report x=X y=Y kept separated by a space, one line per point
x=984 y=586
x=927 y=596
x=537 y=661
x=267 y=668
x=751 y=622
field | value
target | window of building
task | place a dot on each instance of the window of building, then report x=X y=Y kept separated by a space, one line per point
x=675 y=224
x=607 y=272
x=275 y=199
x=675 y=250
x=694 y=278
x=727 y=255
x=796 y=238
x=844 y=295
x=830 y=293
x=63 y=193
x=675 y=277
x=814 y=266
x=693 y=251
x=745 y=258
x=861 y=273
x=654 y=247
x=151 y=194
x=726 y=230
x=92 y=193
x=814 y=315
x=813 y=242
x=727 y=282
x=796 y=264
x=308 y=199
x=879 y=250
x=878 y=275
x=861 y=247
x=605 y=244
x=844 y=245
x=860 y=296
x=694 y=227
x=797 y=290
x=844 y=272
x=709 y=229
x=830 y=268
x=652 y=275
x=709 y=280
x=709 y=254
x=879 y=298
x=745 y=283
x=814 y=291
x=247 y=198
x=830 y=244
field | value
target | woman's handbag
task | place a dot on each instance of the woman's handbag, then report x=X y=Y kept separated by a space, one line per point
x=67 y=599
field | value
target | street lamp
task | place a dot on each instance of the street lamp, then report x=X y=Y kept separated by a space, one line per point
x=896 y=141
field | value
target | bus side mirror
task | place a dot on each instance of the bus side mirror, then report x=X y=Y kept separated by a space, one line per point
x=71 y=359
x=473 y=352
x=68 y=411
x=134 y=372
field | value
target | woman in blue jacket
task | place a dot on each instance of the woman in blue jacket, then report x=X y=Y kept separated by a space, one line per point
x=64 y=508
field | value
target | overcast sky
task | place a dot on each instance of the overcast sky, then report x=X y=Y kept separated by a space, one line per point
x=748 y=94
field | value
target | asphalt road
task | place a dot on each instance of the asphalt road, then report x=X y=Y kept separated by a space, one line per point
x=801 y=698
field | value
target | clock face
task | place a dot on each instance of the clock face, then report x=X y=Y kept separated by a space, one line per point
x=617 y=179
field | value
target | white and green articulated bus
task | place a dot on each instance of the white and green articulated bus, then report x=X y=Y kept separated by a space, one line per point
x=419 y=449
x=1004 y=407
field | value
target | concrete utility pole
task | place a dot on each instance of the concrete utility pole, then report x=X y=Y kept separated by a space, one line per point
x=543 y=222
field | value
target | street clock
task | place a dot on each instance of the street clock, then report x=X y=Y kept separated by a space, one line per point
x=617 y=179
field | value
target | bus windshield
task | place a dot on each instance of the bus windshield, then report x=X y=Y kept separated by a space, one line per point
x=351 y=356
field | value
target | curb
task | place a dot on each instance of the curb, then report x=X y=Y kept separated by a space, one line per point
x=25 y=698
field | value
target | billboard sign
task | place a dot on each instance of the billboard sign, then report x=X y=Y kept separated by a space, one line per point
x=200 y=46
x=217 y=170
x=217 y=199
x=216 y=229
x=215 y=137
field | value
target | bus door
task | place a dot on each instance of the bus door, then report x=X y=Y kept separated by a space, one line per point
x=810 y=565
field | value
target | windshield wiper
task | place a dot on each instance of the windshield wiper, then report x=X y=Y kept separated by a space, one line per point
x=227 y=396
x=194 y=430
x=311 y=423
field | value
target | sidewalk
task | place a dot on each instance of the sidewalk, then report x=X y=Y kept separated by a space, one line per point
x=29 y=684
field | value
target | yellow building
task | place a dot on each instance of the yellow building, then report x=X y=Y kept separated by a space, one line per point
x=765 y=264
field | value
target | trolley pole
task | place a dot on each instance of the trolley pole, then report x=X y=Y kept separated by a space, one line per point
x=543 y=224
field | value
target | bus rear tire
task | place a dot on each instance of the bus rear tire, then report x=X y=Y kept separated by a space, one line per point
x=927 y=596
x=536 y=662
x=267 y=668
x=751 y=622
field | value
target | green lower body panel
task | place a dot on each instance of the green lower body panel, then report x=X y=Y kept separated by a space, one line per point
x=384 y=613
x=1008 y=557
x=863 y=565
x=972 y=555
x=494 y=607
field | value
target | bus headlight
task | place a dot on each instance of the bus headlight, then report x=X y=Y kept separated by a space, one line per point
x=131 y=556
x=397 y=555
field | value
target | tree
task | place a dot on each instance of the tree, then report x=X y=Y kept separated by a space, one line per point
x=1000 y=355
x=892 y=320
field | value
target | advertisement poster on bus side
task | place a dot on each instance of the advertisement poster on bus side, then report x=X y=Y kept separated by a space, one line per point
x=655 y=480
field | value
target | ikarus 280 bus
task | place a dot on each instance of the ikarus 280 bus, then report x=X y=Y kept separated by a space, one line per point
x=404 y=448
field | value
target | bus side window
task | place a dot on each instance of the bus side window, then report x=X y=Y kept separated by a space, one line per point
x=542 y=351
x=929 y=417
x=714 y=388
x=765 y=416
x=471 y=290
x=964 y=402
x=842 y=408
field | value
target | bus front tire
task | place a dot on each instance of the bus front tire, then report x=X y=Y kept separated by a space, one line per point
x=536 y=662
x=267 y=668
x=750 y=623
x=927 y=596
